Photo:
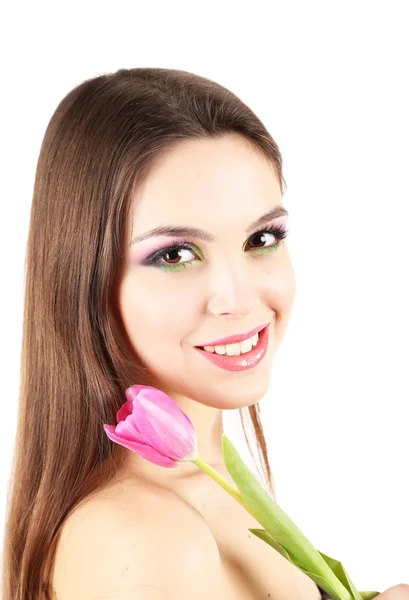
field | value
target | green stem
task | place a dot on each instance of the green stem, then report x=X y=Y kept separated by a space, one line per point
x=234 y=492
x=328 y=574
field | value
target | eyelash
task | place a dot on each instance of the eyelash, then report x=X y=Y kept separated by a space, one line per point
x=279 y=232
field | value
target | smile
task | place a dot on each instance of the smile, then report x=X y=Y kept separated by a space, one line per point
x=234 y=349
x=232 y=358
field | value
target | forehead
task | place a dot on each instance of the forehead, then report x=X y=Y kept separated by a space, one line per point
x=204 y=181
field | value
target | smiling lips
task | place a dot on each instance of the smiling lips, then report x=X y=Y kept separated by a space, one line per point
x=233 y=339
x=243 y=361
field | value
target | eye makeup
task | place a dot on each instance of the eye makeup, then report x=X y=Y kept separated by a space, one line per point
x=157 y=257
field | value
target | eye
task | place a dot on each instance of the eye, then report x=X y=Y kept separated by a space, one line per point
x=278 y=232
x=172 y=254
x=175 y=254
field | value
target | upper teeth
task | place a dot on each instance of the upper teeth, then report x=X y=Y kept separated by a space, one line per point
x=235 y=349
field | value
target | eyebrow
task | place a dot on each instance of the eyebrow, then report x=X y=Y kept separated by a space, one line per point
x=181 y=231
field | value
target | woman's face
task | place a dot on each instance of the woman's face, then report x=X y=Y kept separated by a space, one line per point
x=210 y=289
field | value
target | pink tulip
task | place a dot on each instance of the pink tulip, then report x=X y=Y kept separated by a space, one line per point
x=152 y=425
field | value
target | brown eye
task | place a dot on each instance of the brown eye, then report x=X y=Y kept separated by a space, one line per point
x=174 y=255
x=279 y=233
x=168 y=258
x=259 y=237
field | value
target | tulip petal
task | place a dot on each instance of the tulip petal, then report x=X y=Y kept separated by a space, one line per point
x=161 y=422
x=140 y=448
x=124 y=411
x=128 y=430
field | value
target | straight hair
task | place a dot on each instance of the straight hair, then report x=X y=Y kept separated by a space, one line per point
x=76 y=362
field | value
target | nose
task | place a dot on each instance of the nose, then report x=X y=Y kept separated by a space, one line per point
x=232 y=292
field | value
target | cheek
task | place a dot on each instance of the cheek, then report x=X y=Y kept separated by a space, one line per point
x=155 y=316
x=278 y=284
x=280 y=295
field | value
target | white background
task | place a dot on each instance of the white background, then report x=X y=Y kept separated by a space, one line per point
x=329 y=80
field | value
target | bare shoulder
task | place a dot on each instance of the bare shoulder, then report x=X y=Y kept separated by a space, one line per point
x=135 y=544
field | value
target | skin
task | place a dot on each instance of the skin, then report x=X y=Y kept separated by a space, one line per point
x=396 y=592
x=221 y=186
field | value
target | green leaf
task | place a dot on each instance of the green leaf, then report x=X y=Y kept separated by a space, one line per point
x=269 y=514
x=266 y=537
x=281 y=528
x=339 y=570
x=262 y=507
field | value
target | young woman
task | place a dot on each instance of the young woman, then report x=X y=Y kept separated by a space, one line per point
x=157 y=230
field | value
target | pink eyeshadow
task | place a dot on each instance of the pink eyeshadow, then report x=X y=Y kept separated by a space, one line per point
x=153 y=246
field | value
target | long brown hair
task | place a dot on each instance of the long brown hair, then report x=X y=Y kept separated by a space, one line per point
x=102 y=140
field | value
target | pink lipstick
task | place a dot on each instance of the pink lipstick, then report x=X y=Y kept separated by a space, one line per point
x=247 y=360
x=233 y=339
